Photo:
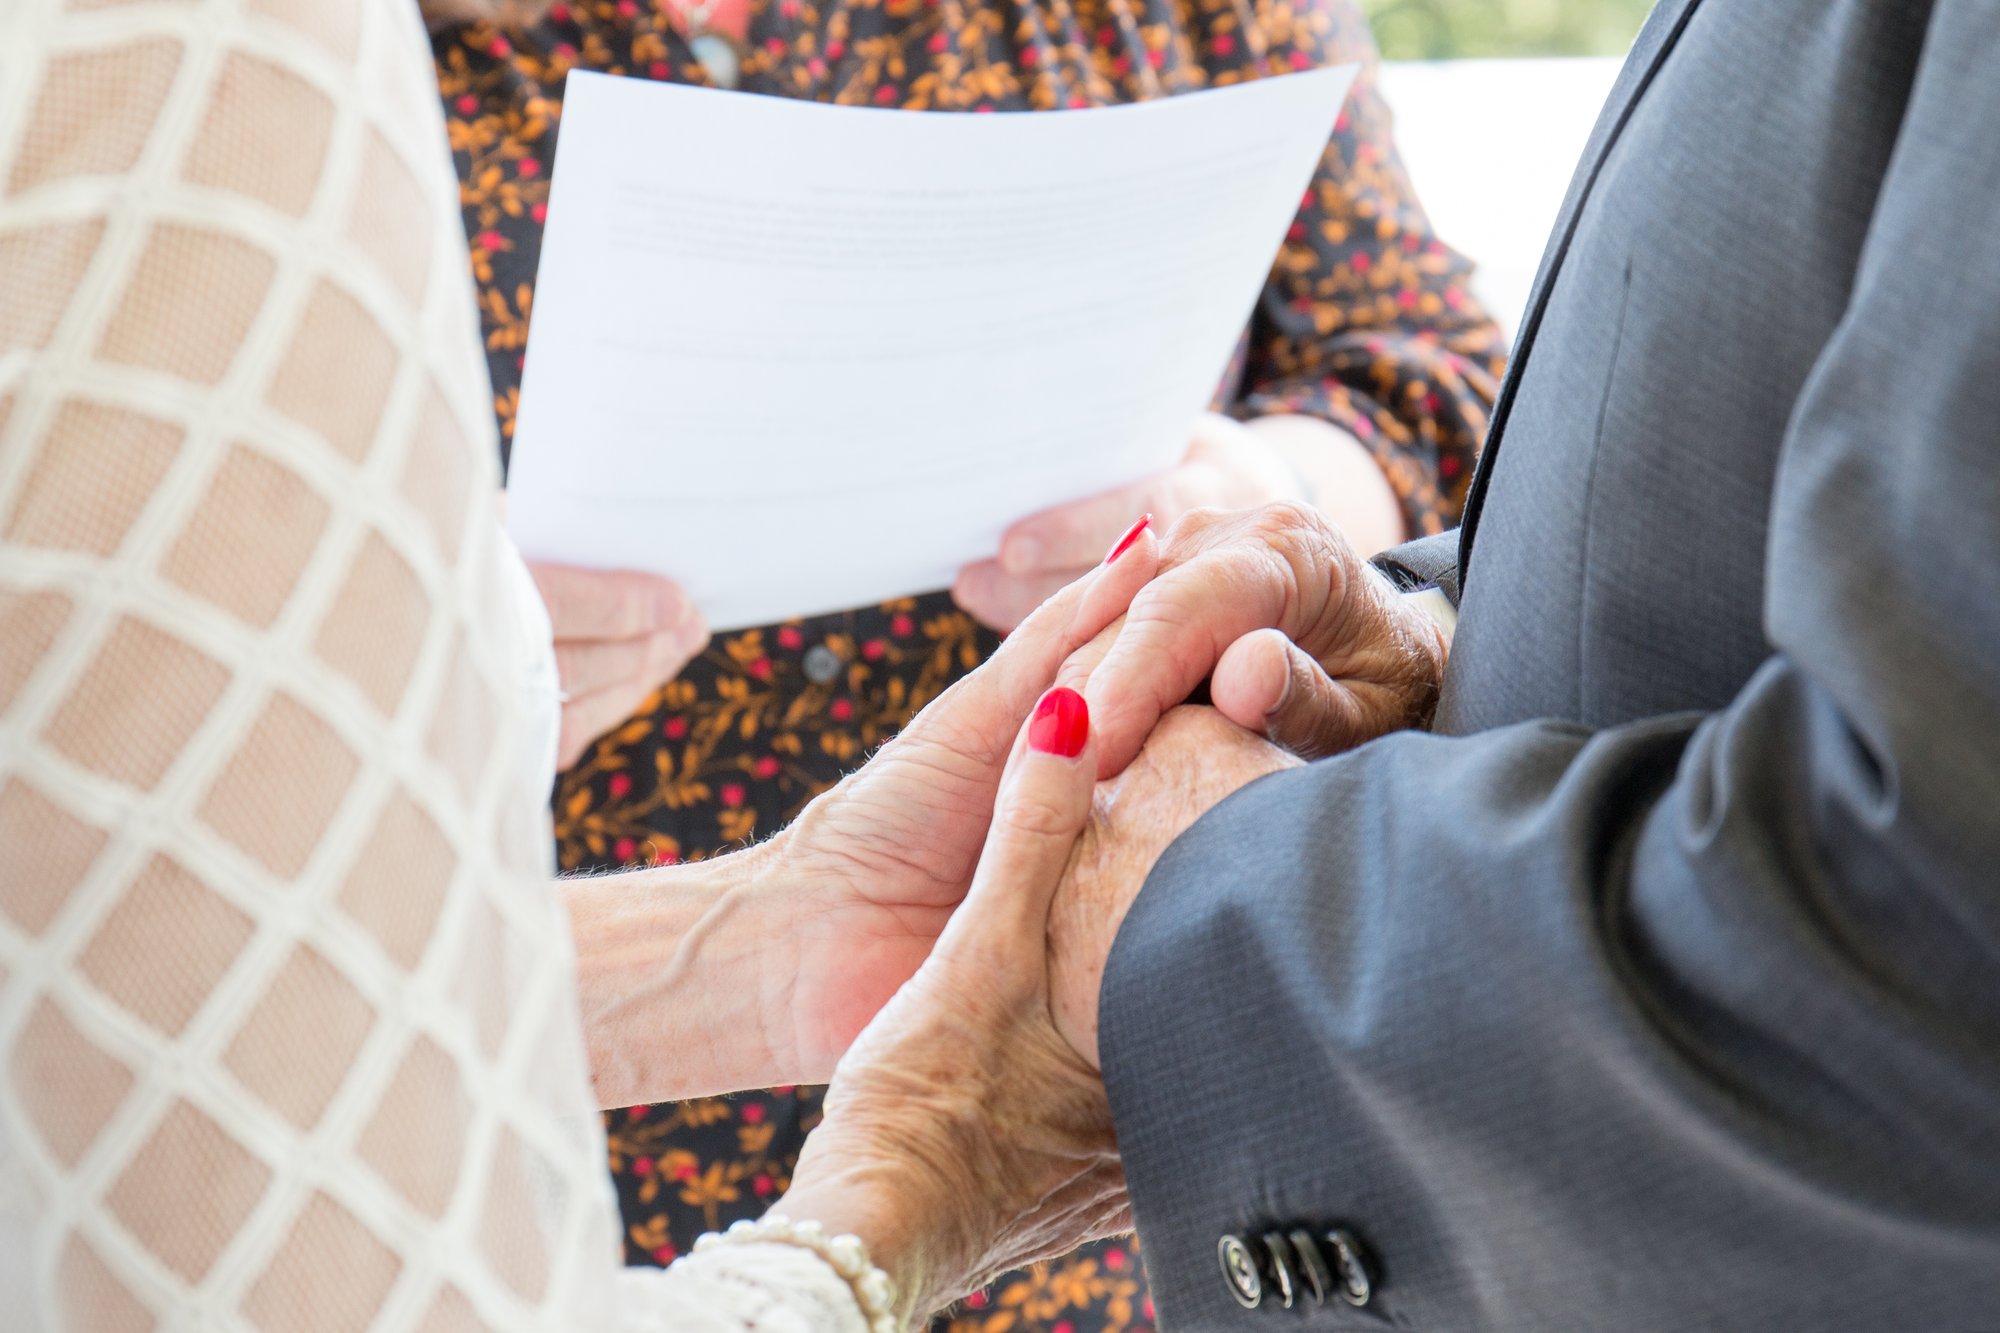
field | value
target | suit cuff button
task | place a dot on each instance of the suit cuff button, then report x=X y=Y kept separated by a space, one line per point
x=1239 y=1271
x=1350 y=1261
x=1315 y=1276
x=1283 y=1269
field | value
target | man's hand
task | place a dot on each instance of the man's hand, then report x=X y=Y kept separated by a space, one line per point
x=1193 y=759
x=1300 y=639
x=619 y=636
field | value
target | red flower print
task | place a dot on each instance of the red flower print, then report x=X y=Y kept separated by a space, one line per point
x=766 y=768
x=790 y=639
x=842 y=710
x=674 y=728
x=733 y=794
x=620 y=785
x=901 y=625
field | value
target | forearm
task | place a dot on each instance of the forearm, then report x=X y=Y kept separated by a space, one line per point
x=679 y=978
x=1339 y=476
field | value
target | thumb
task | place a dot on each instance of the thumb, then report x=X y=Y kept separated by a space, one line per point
x=1042 y=807
x=1265 y=683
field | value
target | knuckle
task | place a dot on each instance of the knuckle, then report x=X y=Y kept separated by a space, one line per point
x=1040 y=816
x=631 y=608
x=1285 y=519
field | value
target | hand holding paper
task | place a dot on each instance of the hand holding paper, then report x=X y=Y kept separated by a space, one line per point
x=876 y=338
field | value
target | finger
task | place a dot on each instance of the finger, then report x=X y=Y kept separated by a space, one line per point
x=977 y=717
x=587 y=665
x=1042 y=807
x=1078 y=667
x=1281 y=568
x=1000 y=600
x=609 y=603
x=1176 y=631
x=1267 y=684
x=586 y=717
x=1076 y=536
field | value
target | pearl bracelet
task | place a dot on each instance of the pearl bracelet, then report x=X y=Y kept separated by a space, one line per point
x=846 y=1255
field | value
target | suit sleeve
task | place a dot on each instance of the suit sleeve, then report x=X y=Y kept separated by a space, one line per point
x=1688 y=1023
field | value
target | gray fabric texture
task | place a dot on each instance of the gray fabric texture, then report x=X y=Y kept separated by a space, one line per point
x=1661 y=988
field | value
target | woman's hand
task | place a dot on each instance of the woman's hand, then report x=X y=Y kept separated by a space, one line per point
x=1228 y=465
x=758 y=968
x=964 y=1136
x=867 y=876
x=619 y=636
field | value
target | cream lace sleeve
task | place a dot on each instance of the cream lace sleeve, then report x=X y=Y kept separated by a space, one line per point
x=288 y=1029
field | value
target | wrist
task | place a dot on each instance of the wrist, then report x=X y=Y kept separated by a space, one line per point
x=662 y=957
x=1340 y=478
x=898 y=1215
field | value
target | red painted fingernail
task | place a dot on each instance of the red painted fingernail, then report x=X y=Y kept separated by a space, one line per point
x=1061 y=724
x=1131 y=535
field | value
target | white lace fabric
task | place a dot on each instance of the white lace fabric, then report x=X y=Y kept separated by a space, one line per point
x=288 y=1026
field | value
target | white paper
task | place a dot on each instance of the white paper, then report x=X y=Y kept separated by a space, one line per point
x=802 y=358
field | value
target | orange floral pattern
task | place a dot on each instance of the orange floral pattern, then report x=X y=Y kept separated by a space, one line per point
x=1366 y=321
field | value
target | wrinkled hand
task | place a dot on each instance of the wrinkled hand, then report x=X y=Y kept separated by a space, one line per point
x=1193 y=759
x=1226 y=465
x=619 y=636
x=864 y=880
x=963 y=1135
x=1301 y=640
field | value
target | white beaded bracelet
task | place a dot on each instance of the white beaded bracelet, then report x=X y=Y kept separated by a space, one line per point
x=846 y=1255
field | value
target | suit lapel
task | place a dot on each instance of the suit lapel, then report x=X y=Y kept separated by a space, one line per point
x=1655 y=41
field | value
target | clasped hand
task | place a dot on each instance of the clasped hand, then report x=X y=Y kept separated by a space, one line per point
x=967 y=1129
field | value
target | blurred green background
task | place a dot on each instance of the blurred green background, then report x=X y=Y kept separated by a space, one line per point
x=1461 y=29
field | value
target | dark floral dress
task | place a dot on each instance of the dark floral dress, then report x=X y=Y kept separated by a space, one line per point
x=1366 y=322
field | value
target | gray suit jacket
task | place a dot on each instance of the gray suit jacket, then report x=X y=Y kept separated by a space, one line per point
x=1661 y=990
